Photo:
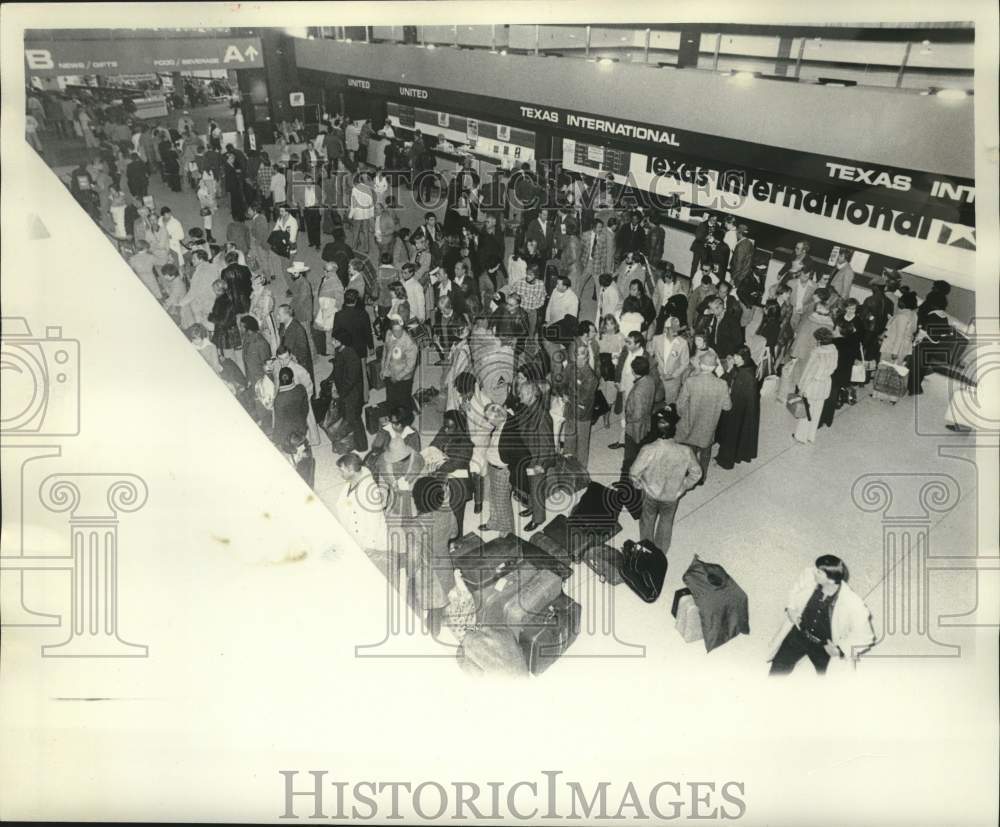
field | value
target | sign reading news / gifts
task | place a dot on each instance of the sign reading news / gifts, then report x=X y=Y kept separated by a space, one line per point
x=905 y=232
x=52 y=58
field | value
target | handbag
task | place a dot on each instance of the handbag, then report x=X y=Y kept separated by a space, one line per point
x=859 y=375
x=797 y=406
x=600 y=408
x=280 y=243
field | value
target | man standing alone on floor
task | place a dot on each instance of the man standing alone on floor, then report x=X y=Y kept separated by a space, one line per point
x=664 y=471
x=348 y=380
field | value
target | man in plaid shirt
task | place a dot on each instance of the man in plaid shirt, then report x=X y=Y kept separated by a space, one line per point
x=532 y=292
x=264 y=173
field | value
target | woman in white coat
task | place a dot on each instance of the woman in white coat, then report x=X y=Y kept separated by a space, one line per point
x=815 y=383
x=825 y=621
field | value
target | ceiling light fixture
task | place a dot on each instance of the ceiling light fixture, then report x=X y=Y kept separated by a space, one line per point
x=952 y=94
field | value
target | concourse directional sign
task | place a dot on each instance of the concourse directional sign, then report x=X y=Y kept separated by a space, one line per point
x=51 y=58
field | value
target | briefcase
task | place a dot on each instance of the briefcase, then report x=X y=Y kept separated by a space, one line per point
x=374 y=370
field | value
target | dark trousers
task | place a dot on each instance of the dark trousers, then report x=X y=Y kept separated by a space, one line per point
x=399 y=394
x=631 y=452
x=536 y=497
x=357 y=424
x=793 y=648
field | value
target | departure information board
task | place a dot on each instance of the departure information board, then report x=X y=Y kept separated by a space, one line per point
x=605 y=159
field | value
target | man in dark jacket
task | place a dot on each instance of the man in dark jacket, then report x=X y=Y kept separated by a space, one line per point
x=710 y=226
x=655 y=239
x=717 y=253
x=340 y=252
x=349 y=380
x=631 y=237
x=294 y=337
x=355 y=325
x=239 y=282
x=137 y=176
x=533 y=425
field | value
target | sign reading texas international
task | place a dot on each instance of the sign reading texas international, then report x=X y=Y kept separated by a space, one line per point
x=51 y=58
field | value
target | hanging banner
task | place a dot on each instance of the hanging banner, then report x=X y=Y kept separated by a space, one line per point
x=52 y=58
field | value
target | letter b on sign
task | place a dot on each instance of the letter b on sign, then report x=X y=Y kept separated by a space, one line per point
x=39 y=59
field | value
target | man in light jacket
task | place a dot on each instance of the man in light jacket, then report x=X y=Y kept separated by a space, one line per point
x=825 y=621
x=703 y=398
x=672 y=358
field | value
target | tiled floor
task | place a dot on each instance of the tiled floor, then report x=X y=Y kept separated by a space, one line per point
x=765 y=521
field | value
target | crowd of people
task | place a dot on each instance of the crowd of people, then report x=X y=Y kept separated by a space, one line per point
x=671 y=365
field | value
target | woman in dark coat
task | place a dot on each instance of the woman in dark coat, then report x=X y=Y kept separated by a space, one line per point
x=739 y=427
x=454 y=442
x=234 y=178
x=225 y=334
x=848 y=344
x=291 y=408
x=171 y=166
x=875 y=313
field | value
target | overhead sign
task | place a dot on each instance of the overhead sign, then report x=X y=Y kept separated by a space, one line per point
x=297 y=98
x=52 y=58
x=914 y=234
x=948 y=198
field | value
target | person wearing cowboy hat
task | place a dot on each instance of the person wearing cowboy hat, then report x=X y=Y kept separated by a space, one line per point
x=300 y=297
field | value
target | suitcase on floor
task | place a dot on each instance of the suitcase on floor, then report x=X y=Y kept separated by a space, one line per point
x=687 y=617
x=492 y=651
x=492 y=602
x=542 y=541
x=577 y=537
x=537 y=589
x=889 y=384
x=548 y=635
x=644 y=568
x=605 y=562
x=565 y=477
x=375 y=417
x=482 y=564
x=598 y=506
x=374 y=373
x=543 y=558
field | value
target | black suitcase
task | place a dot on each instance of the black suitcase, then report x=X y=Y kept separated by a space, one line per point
x=577 y=537
x=554 y=632
x=644 y=568
x=541 y=540
x=482 y=564
x=599 y=505
x=375 y=417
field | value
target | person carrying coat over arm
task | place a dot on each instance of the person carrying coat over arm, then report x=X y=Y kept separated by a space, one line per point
x=825 y=620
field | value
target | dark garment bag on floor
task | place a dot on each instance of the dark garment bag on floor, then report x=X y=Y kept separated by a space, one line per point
x=644 y=568
x=721 y=602
x=547 y=636
x=598 y=506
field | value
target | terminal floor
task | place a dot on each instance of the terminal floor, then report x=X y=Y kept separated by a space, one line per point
x=765 y=521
